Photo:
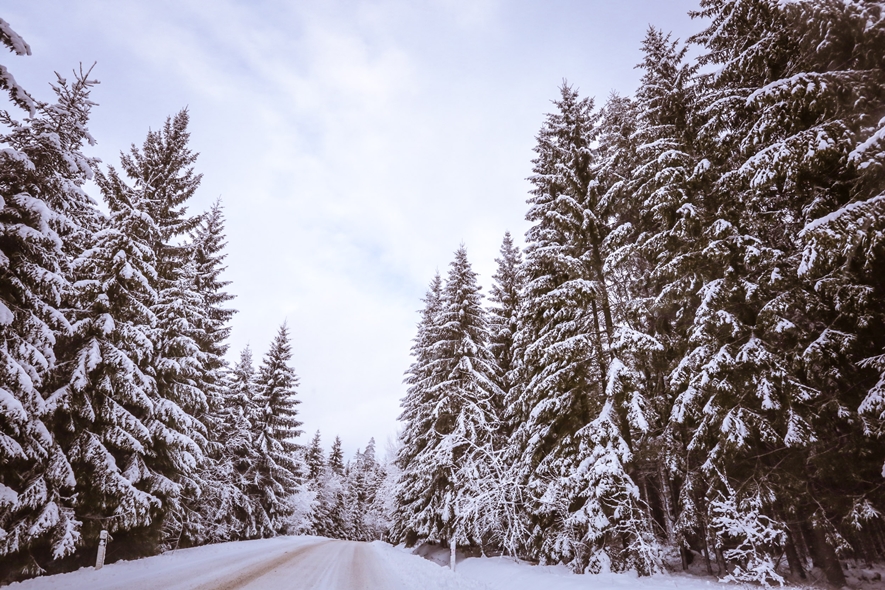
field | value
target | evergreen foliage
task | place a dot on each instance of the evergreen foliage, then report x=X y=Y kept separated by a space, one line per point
x=688 y=354
x=277 y=472
x=316 y=463
x=698 y=346
x=336 y=457
x=43 y=215
x=460 y=394
x=504 y=296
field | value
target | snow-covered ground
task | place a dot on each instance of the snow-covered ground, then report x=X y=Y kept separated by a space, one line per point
x=506 y=573
x=315 y=563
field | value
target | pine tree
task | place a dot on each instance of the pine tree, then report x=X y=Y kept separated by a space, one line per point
x=576 y=401
x=334 y=514
x=417 y=414
x=462 y=422
x=43 y=210
x=657 y=260
x=336 y=457
x=105 y=399
x=239 y=452
x=502 y=315
x=212 y=327
x=364 y=479
x=316 y=463
x=178 y=437
x=218 y=494
x=276 y=475
x=768 y=350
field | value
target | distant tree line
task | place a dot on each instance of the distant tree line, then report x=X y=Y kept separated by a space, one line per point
x=689 y=355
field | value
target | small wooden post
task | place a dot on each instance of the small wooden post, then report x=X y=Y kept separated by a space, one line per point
x=453 y=544
x=102 y=546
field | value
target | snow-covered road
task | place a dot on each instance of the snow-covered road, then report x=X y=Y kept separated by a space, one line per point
x=316 y=563
x=303 y=563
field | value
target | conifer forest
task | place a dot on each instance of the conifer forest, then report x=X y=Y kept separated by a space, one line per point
x=684 y=364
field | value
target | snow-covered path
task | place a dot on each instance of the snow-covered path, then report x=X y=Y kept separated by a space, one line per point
x=316 y=563
x=303 y=563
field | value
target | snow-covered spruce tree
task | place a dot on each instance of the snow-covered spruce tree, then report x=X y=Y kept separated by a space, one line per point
x=651 y=263
x=460 y=424
x=240 y=514
x=277 y=475
x=104 y=396
x=316 y=463
x=738 y=395
x=385 y=506
x=768 y=379
x=336 y=456
x=333 y=515
x=162 y=174
x=558 y=362
x=210 y=330
x=562 y=409
x=618 y=531
x=417 y=405
x=178 y=437
x=364 y=477
x=43 y=212
x=417 y=415
x=504 y=296
x=834 y=159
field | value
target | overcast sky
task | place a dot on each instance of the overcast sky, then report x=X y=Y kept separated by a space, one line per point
x=354 y=145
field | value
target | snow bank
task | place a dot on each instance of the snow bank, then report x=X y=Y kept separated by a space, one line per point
x=506 y=573
x=418 y=573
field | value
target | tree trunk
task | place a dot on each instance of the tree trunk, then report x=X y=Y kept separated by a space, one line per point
x=793 y=556
x=603 y=292
x=706 y=548
x=827 y=559
x=802 y=545
x=453 y=546
x=668 y=513
x=720 y=561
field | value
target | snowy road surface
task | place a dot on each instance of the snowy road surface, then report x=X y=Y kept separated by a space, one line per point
x=302 y=563
x=315 y=563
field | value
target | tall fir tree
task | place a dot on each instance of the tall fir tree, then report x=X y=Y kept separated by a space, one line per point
x=504 y=295
x=277 y=475
x=659 y=260
x=239 y=453
x=336 y=456
x=44 y=217
x=316 y=463
x=105 y=396
x=207 y=320
x=417 y=414
x=461 y=426
x=766 y=350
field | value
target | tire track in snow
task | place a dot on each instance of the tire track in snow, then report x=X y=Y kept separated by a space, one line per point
x=253 y=573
